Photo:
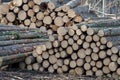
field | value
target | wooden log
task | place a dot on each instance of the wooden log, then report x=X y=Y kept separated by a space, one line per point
x=94 y=69
x=71 y=13
x=96 y=38
x=63 y=54
x=86 y=45
x=96 y=49
x=102 y=54
x=78 y=19
x=118 y=60
x=25 y=41
x=47 y=20
x=82 y=37
x=114 y=57
x=105 y=70
x=29 y=67
x=88 y=51
x=88 y=39
x=17 y=2
x=61 y=31
x=51 y=51
x=58 y=21
x=51 y=69
x=94 y=56
x=59 y=62
x=99 y=73
x=99 y=64
x=27 y=22
x=65 y=68
x=92 y=63
x=79 y=42
x=52 y=59
x=14 y=49
x=118 y=71
x=16 y=10
x=10 y=16
x=109 y=52
x=34 y=53
x=36 y=8
x=40 y=16
x=25 y=7
x=58 y=55
x=48 y=45
x=5 y=60
x=66 y=19
x=81 y=53
x=88 y=59
x=70 y=41
x=102 y=23
x=45 y=64
x=74 y=56
x=45 y=55
x=38 y=2
x=64 y=44
x=30 y=13
x=80 y=62
x=113 y=66
x=106 y=61
x=66 y=37
x=78 y=32
x=69 y=50
x=89 y=73
x=4 y=8
x=51 y=5
x=59 y=71
x=29 y=60
x=41 y=69
x=22 y=15
x=72 y=64
x=39 y=59
x=114 y=50
x=36 y=66
x=73 y=3
x=79 y=71
x=87 y=66
x=66 y=61
x=55 y=66
x=31 y=4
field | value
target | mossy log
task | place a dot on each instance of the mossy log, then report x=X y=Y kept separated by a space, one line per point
x=24 y=41
x=18 y=48
x=6 y=60
x=23 y=36
x=10 y=28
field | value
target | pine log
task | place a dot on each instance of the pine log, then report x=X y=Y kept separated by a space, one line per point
x=80 y=62
x=35 y=66
x=102 y=23
x=10 y=16
x=17 y=2
x=14 y=49
x=5 y=60
x=31 y=4
x=4 y=8
x=73 y=3
x=113 y=66
x=51 y=69
x=29 y=60
x=22 y=15
x=45 y=64
x=25 y=7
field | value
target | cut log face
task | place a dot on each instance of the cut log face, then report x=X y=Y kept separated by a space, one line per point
x=40 y=16
x=22 y=15
x=47 y=20
x=17 y=2
x=10 y=17
x=58 y=21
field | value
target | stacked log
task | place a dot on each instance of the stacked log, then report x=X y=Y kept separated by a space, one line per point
x=37 y=14
x=16 y=43
x=76 y=50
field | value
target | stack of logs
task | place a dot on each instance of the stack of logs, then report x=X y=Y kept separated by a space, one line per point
x=17 y=43
x=36 y=13
x=77 y=50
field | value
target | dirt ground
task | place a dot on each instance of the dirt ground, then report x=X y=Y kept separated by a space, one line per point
x=32 y=75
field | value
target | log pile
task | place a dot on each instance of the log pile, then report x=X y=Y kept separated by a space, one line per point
x=17 y=43
x=77 y=50
x=36 y=13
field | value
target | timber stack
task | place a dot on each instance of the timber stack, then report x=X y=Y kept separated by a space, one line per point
x=17 y=43
x=38 y=14
x=77 y=50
